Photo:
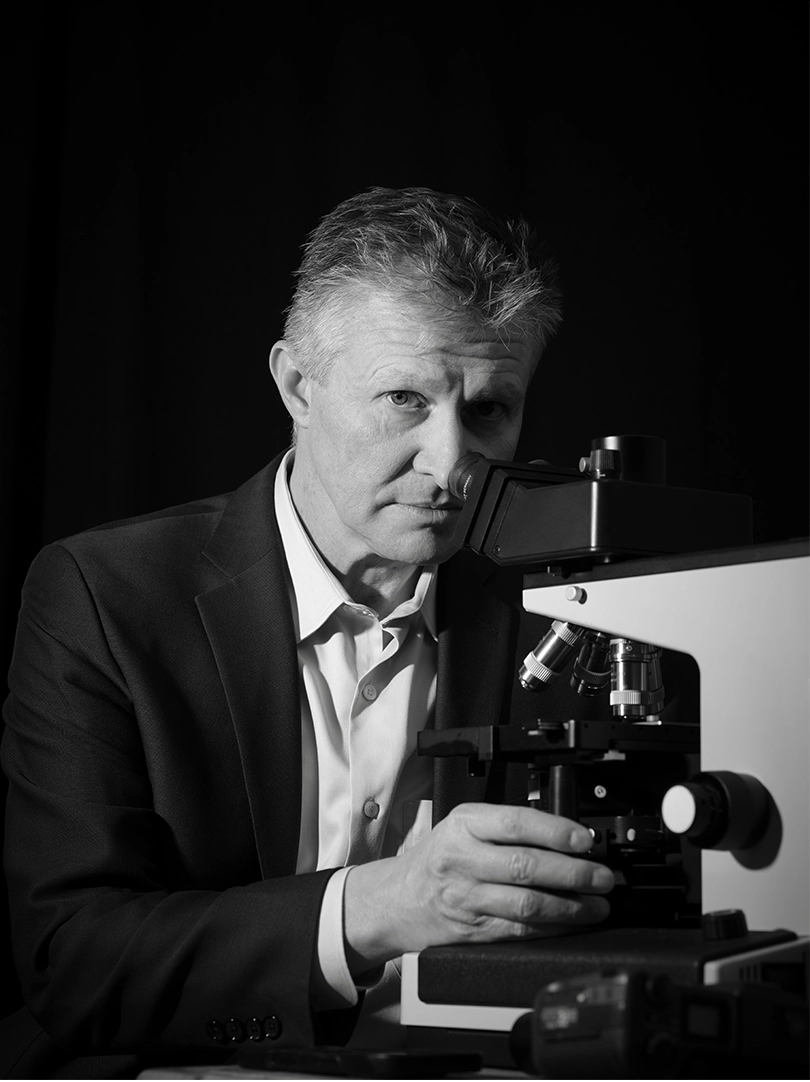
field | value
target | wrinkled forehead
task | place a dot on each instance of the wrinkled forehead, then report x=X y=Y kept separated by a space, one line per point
x=423 y=318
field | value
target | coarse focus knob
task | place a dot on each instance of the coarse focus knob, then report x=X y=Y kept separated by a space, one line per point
x=690 y=808
x=718 y=810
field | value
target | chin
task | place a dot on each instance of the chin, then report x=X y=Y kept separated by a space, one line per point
x=425 y=550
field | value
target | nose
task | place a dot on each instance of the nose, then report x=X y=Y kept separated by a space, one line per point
x=443 y=440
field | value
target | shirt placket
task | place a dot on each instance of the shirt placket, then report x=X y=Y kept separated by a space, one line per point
x=374 y=741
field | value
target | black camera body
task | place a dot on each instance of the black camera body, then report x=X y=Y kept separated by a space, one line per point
x=633 y=1025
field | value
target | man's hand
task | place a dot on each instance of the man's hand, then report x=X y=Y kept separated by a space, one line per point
x=486 y=872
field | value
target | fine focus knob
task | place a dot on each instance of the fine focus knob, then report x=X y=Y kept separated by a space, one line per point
x=718 y=810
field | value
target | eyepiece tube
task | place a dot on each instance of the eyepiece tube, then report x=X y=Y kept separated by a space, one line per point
x=462 y=473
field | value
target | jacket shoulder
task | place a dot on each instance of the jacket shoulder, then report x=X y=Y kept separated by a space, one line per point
x=194 y=521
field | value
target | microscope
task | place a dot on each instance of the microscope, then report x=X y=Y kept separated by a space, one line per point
x=703 y=819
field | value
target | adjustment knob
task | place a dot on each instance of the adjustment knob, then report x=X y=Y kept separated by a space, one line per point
x=724 y=924
x=691 y=809
x=640 y=458
x=718 y=810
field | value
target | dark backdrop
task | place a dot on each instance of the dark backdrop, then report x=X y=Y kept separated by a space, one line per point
x=163 y=164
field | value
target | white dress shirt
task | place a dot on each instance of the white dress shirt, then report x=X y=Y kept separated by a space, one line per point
x=367 y=687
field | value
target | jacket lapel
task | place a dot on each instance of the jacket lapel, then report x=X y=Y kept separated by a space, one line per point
x=248 y=621
x=476 y=670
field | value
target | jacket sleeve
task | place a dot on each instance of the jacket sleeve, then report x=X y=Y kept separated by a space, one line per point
x=117 y=947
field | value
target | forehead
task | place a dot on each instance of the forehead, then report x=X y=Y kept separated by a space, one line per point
x=383 y=333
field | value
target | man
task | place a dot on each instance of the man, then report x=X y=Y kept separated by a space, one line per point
x=215 y=707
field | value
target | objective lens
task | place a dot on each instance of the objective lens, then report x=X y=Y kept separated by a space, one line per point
x=591 y=675
x=637 y=688
x=551 y=655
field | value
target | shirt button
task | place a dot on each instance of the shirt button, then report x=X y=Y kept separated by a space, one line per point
x=370 y=692
x=371 y=809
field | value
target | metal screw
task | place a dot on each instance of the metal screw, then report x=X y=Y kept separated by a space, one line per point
x=600 y=791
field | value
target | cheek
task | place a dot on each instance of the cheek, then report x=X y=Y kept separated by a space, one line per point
x=356 y=462
x=502 y=444
x=334 y=436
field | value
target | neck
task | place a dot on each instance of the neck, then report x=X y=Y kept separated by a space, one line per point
x=368 y=579
x=380 y=588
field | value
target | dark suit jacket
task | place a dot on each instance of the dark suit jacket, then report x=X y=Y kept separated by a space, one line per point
x=153 y=751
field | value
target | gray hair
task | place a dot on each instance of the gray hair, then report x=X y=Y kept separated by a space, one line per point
x=435 y=251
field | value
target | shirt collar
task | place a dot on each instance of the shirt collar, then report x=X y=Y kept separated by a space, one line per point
x=316 y=593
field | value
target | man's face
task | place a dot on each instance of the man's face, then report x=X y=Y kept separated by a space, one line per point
x=401 y=404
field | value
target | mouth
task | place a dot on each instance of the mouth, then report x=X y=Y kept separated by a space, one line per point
x=434 y=512
x=444 y=505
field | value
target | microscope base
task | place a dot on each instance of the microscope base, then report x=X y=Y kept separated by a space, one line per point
x=471 y=996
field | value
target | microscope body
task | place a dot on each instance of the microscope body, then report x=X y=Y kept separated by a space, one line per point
x=685 y=579
x=742 y=615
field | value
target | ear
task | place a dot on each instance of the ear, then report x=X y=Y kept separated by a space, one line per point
x=293 y=386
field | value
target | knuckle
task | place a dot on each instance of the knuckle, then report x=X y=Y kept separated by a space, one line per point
x=462 y=913
x=577 y=876
x=572 y=909
x=454 y=899
x=445 y=857
x=442 y=864
x=521 y=930
x=475 y=929
x=457 y=825
x=526 y=906
x=461 y=813
x=520 y=866
x=511 y=821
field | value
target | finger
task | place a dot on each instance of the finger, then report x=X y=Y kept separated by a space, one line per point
x=522 y=908
x=475 y=862
x=544 y=869
x=509 y=824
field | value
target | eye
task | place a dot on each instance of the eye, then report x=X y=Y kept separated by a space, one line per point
x=405 y=399
x=490 y=411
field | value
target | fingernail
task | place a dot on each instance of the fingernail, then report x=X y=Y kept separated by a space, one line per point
x=603 y=879
x=581 y=840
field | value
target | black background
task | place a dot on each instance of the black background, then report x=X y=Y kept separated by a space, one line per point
x=164 y=163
